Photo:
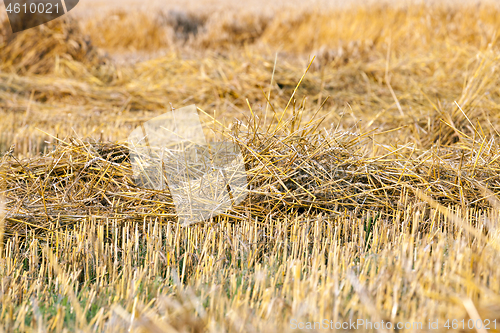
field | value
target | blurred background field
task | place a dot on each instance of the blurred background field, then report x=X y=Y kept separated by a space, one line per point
x=370 y=136
x=378 y=64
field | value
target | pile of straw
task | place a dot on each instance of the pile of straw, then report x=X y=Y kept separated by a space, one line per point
x=37 y=50
x=290 y=170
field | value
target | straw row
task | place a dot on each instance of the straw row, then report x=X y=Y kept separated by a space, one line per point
x=304 y=171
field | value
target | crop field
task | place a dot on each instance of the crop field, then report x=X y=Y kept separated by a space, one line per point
x=370 y=141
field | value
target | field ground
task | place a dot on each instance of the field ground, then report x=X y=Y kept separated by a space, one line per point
x=370 y=140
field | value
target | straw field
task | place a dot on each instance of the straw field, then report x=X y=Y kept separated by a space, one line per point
x=370 y=137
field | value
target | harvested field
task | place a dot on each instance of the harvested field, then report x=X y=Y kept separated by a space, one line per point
x=369 y=135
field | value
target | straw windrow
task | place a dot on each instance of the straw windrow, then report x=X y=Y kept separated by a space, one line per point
x=288 y=172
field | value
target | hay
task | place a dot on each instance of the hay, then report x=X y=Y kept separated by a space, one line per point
x=124 y=32
x=408 y=79
x=381 y=205
x=289 y=170
x=37 y=50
